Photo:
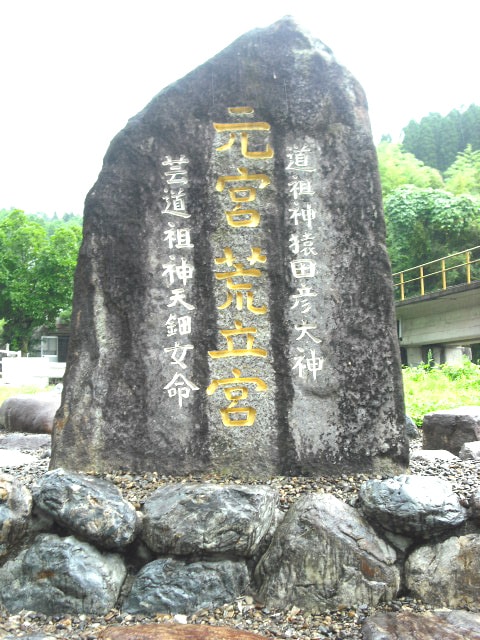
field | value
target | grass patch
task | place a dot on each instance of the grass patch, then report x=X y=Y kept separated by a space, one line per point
x=430 y=388
x=6 y=391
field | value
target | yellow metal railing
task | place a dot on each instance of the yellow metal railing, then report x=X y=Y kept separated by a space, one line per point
x=439 y=274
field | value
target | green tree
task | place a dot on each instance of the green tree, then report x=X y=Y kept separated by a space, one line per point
x=398 y=168
x=437 y=139
x=56 y=267
x=463 y=176
x=36 y=274
x=425 y=224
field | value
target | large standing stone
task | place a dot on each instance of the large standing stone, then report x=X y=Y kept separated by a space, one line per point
x=446 y=574
x=89 y=507
x=324 y=555
x=185 y=519
x=62 y=575
x=450 y=429
x=233 y=299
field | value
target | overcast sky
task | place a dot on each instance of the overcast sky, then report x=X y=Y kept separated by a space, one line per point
x=72 y=72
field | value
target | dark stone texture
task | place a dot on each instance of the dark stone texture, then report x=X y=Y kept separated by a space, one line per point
x=436 y=625
x=185 y=519
x=178 y=586
x=470 y=451
x=414 y=506
x=62 y=575
x=450 y=429
x=15 y=510
x=474 y=504
x=324 y=555
x=29 y=413
x=446 y=574
x=153 y=382
x=413 y=432
x=88 y=507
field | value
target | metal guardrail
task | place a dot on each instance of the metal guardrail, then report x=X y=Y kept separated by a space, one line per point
x=434 y=275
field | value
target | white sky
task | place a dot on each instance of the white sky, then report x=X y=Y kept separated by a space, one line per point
x=72 y=72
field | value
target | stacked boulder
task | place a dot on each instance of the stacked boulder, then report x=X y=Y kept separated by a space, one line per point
x=195 y=541
x=76 y=545
x=419 y=515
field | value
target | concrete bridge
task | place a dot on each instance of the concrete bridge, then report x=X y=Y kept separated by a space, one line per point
x=433 y=315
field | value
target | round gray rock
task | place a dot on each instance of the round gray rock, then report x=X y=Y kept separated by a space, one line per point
x=30 y=413
x=182 y=519
x=89 y=507
x=62 y=575
x=176 y=586
x=450 y=428
x=414 y=506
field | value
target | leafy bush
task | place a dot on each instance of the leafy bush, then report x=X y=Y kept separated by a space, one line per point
x=430 y=388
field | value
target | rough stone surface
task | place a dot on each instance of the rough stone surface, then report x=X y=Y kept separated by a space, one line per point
x=413 y=432
x=474 y=504
x=177 y=586
x=177 y=632
x=88 y=507
x=62 y=575
x=233 y=305
x=183 y=519
x=437 y=625
x=470 y=451
x=29 y=413
x=450 y=429
x=446 y=574
x=324 y=555
x=415 y=506
x=15 y=509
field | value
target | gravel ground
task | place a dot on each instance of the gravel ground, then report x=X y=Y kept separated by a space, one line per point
x=245 y=612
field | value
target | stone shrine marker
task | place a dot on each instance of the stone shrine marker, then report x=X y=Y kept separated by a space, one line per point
x=233 y=306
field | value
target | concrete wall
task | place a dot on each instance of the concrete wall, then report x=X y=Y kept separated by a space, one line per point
x=444 y=321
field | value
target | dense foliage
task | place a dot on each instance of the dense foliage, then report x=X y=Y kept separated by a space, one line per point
x=39 y=256
x=463 y=176
x=425 y=224
x=429 y=214
x=398 y=168
x=437 y=140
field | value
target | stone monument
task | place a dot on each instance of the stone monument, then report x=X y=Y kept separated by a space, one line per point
x=233 y=306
